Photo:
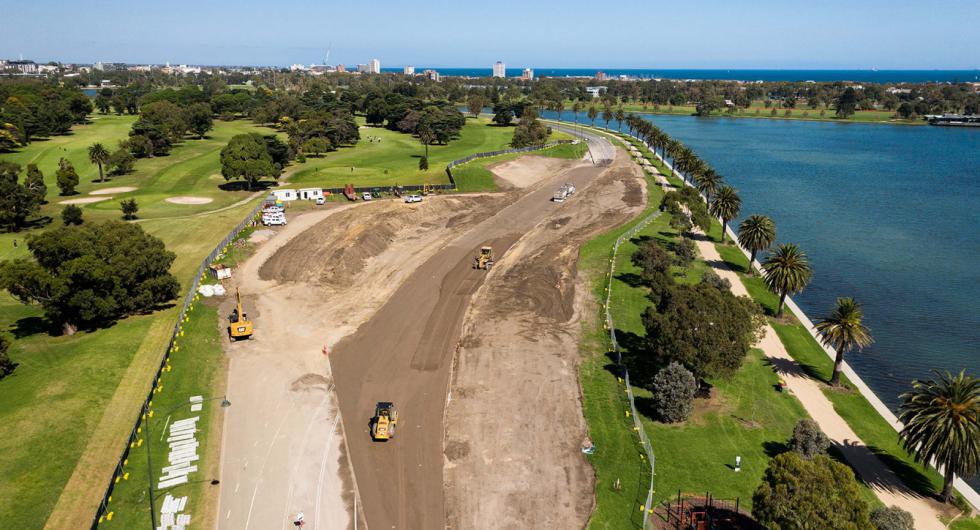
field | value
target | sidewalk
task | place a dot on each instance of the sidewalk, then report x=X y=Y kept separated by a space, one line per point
x=887 y=486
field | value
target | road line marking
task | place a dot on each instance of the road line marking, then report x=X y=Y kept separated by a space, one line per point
x=258 y=481
x=323 y=468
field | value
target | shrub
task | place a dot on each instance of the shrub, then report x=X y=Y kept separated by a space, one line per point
x=129 y=209
x=800 y=493
x=685 y=251
x=674 y=388
x=712 y=279
x=808 y=440
x=71 y=215
x=6 y=365
x=891 y=518
x=424 y=163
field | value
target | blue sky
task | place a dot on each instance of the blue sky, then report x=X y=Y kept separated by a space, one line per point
x=897 y=34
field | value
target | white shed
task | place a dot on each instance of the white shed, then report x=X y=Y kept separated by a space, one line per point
x=310 y=194
x=285 y=195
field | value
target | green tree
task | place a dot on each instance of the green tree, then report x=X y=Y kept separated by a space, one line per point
x=129 y=209
x=246 y=158
x=706 y=330
x=808 y=440
x=66 y=177
x=93 y=274
x=17 y=202
x=620 y=117
x=843 y=331
x=530 y=131
x=34 y=182
x=121 y=161
x=847 y=103
x=708 y=183
x=756 y=233
x=942 y=424
x=592 y=113
x=787 y=270
x=502 y=114
x=316 y=145
x=607 y=114
x=424 y=163
x=71 y=215
x=576 y=108
x=426 y=137
x=674 y=388
x=796 y=493
x=725 y=205
x=475 y=104
x=98 y=155
x=199 y=119
x=6 y=365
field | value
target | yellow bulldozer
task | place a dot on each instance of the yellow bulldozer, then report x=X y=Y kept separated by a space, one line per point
x=239 y=326
x=384 y=421
x=484 y=260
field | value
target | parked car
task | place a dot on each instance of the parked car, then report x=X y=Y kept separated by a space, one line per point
x=274 y=219
x=413 y=198
x=320 y=201
x=366 y=196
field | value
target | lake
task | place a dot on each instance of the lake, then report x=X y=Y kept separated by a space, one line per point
x=888 y=214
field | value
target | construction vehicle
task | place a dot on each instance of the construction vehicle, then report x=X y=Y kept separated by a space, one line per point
x=239 y=326
x=384 y=421
x=484 y=260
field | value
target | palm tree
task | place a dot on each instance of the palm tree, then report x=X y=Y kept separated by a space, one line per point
x=843 y=331
x=620 y=116
x=942 y=422
x=708 y=182
x=756 y=232
x=558 y=107
x=725 y=205
x=593 y=114
x=787 y=270
x=98 y=154
x=607 y=114
x=576 y=108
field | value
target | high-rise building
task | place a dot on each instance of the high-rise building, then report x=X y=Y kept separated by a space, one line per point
x=600 y=76
x=341 y=68
x=432 y=75
x=375 y=66
x=528 y=74
x=363 y=68
x=409 y=70
x=499 y=70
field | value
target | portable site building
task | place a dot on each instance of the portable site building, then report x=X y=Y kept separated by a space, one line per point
x=285 y=195
x=310 y=194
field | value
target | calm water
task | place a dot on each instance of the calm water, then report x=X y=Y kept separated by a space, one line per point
x=867 y=76
x=888 y=214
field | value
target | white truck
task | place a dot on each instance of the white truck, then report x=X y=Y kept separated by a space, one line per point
x=273 y=218
x=566 y=190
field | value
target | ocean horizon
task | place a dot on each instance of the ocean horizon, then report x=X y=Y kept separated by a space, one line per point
x=734 y=74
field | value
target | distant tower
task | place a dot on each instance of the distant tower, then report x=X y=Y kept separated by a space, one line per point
x=528 y=74
x=600 y=76
x=375 y=66
x=409 y=70
x=499 y=70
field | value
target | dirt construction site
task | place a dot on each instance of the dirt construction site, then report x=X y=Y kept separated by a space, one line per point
x=379 y=301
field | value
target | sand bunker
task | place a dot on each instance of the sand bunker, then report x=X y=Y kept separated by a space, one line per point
x=528 y=170
x=188 y=200
x=110 y=191
x=85 y=200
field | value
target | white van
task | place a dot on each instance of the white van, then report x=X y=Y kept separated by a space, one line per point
x=274 y=219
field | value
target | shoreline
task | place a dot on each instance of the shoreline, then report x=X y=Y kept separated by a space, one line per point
x=961 y=486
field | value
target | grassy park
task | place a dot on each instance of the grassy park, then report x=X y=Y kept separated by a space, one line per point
x=91 y=384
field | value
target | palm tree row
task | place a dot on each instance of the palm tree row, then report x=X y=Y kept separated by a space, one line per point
x=941 y=417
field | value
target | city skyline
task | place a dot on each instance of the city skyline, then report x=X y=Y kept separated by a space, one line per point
x=836 y=35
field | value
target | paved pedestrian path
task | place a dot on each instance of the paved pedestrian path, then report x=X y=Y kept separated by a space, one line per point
x=883 y=481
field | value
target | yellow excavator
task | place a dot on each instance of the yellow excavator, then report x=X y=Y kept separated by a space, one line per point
x=239 y=326
x=384 y=421
x=484 y=260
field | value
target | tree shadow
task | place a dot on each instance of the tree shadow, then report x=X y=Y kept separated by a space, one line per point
x=27 y=326
x=897 y=476
x=773 y=448
x=240 y=185
x=784 y=367
x=631 y=279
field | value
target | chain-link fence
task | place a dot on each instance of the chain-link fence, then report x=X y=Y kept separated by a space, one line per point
x=145 y=408
x=610 y=324
x=488 y=154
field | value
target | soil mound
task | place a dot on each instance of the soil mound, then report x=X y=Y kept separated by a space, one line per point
x=358 y=234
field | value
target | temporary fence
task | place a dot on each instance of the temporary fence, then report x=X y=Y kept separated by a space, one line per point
x=637 y=425
x=118 y=472
x=488 y=154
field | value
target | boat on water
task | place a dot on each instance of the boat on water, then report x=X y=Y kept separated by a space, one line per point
x=954 y=120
